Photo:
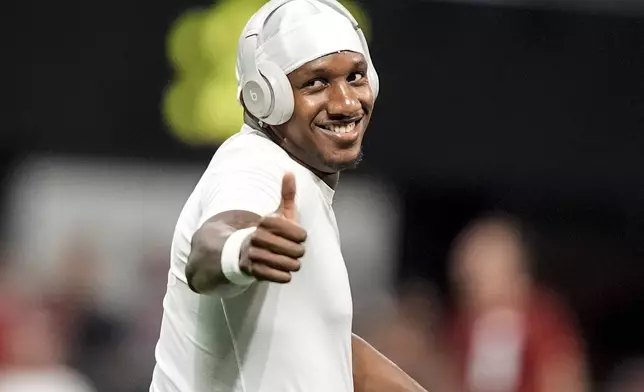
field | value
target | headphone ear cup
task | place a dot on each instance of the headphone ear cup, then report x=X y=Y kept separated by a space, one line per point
x=374 y=81
x=283 y=101
x=258 y=96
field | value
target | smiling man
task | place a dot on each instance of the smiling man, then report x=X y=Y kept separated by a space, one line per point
x=258 y=296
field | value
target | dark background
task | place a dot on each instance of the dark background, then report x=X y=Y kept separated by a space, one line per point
x=538 y=111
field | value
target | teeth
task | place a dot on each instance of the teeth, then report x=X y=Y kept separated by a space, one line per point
x=342 y=128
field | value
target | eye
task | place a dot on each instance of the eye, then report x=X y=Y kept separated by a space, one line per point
x=356 y=77
x=315 y=83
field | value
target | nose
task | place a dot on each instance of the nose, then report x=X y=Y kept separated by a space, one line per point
x=343 y=101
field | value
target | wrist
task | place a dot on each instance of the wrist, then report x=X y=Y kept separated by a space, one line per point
x=230 y=257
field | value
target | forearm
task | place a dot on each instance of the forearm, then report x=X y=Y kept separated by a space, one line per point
x=203 y=270
x=373 y=372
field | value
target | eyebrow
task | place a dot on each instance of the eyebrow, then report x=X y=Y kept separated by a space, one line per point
x=322 y=70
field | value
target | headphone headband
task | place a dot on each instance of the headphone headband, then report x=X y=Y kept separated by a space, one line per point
x=256 y=24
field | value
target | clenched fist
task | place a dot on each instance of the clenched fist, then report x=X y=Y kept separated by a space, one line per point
x=273 y=251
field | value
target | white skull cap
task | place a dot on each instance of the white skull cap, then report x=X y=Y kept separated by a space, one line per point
x=301 y=31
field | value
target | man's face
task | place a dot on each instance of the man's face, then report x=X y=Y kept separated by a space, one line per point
x=333 y=103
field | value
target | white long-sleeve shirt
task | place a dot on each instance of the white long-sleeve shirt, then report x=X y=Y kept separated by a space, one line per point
x=294 y=337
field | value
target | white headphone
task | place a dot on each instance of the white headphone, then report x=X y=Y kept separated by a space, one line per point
x=266 y=90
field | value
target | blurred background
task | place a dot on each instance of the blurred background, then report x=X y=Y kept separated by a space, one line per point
x=524 y=107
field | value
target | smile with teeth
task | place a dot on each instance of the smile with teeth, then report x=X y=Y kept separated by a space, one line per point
x=340 y=128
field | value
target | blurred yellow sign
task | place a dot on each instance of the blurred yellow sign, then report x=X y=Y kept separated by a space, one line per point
x=200 y=104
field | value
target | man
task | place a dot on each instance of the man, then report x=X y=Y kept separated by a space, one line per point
x=258 y=296
x=507 y=334
x=31 y=353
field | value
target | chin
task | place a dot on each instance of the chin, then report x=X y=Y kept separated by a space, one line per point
x=337 y=165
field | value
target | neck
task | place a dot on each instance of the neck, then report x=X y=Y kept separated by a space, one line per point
x=331 y=179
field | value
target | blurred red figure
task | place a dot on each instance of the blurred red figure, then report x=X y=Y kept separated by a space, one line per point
x=31 y=351
x=506 y=334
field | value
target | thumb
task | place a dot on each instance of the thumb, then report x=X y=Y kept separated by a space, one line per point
x=287 y=205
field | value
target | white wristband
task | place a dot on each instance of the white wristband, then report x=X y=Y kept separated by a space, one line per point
x=230 y=258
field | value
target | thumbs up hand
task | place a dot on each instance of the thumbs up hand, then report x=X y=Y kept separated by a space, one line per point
x=273 y=251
